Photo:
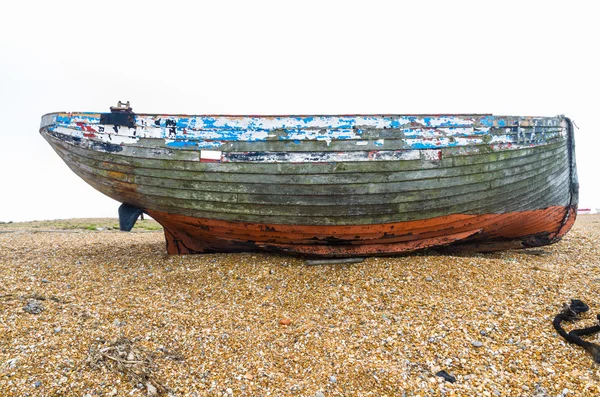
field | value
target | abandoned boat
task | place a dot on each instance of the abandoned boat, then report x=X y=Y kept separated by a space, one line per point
x=336 y=186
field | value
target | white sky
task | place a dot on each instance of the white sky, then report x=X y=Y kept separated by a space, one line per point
x=250 y=57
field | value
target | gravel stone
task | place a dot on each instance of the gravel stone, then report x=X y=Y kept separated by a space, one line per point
x=333 y=379
x=477 y=343
x=151 y=390
x=34 y=307
x=382 y=313
x=446 y=376
x=12 y=363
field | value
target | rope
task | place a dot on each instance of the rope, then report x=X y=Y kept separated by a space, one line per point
x=571 y=313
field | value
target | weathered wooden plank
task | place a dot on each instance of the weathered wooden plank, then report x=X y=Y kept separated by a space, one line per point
x=205 y=229
x=364 y=187
x=217 y=129
x=236 y=151
x=289 y=191
x=319 y=179
x=419 y=201
x=362 y=144
x=240 y=124
x=329 y=220
x=451 y=157
x=285 y=212
x=173 y=159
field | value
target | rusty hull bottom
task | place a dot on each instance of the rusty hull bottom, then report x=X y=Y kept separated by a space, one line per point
x=459 y=232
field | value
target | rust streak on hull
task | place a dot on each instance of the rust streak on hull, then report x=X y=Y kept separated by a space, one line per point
x=487 y=232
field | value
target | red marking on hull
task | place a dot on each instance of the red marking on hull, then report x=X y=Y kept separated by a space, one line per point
x=486 y=232
x=86 y=127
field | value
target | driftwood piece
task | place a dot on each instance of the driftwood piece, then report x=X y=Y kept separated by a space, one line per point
x=333 y=261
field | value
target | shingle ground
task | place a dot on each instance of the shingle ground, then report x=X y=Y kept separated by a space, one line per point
x=215 y=325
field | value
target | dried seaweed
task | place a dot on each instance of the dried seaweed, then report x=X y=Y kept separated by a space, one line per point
x=124 y=357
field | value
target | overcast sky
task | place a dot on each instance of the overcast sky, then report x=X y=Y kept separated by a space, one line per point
x=275 y=57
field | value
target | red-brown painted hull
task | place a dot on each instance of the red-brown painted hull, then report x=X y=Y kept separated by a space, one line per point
x=487 y=232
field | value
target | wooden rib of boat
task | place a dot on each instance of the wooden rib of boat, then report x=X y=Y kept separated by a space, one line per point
x=348 y=185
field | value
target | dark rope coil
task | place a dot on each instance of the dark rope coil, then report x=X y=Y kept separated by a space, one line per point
x=571 y=313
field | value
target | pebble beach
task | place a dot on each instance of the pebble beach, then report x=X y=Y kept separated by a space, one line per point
x=86 y=310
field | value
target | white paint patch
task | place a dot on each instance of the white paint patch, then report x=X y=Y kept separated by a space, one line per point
x=431 y=155
x=210 y=155
x=326 y=139
x=411 y=155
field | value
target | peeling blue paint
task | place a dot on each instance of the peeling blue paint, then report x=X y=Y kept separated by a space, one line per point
x=208 y=144
x=182 y=144
x=416 y=132
x=488 y=121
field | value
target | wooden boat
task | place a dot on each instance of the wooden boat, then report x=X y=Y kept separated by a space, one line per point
x=348 y=185
x=584 y=211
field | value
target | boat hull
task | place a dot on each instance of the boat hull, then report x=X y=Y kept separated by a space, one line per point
x=482 y=233
x=332 y=186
